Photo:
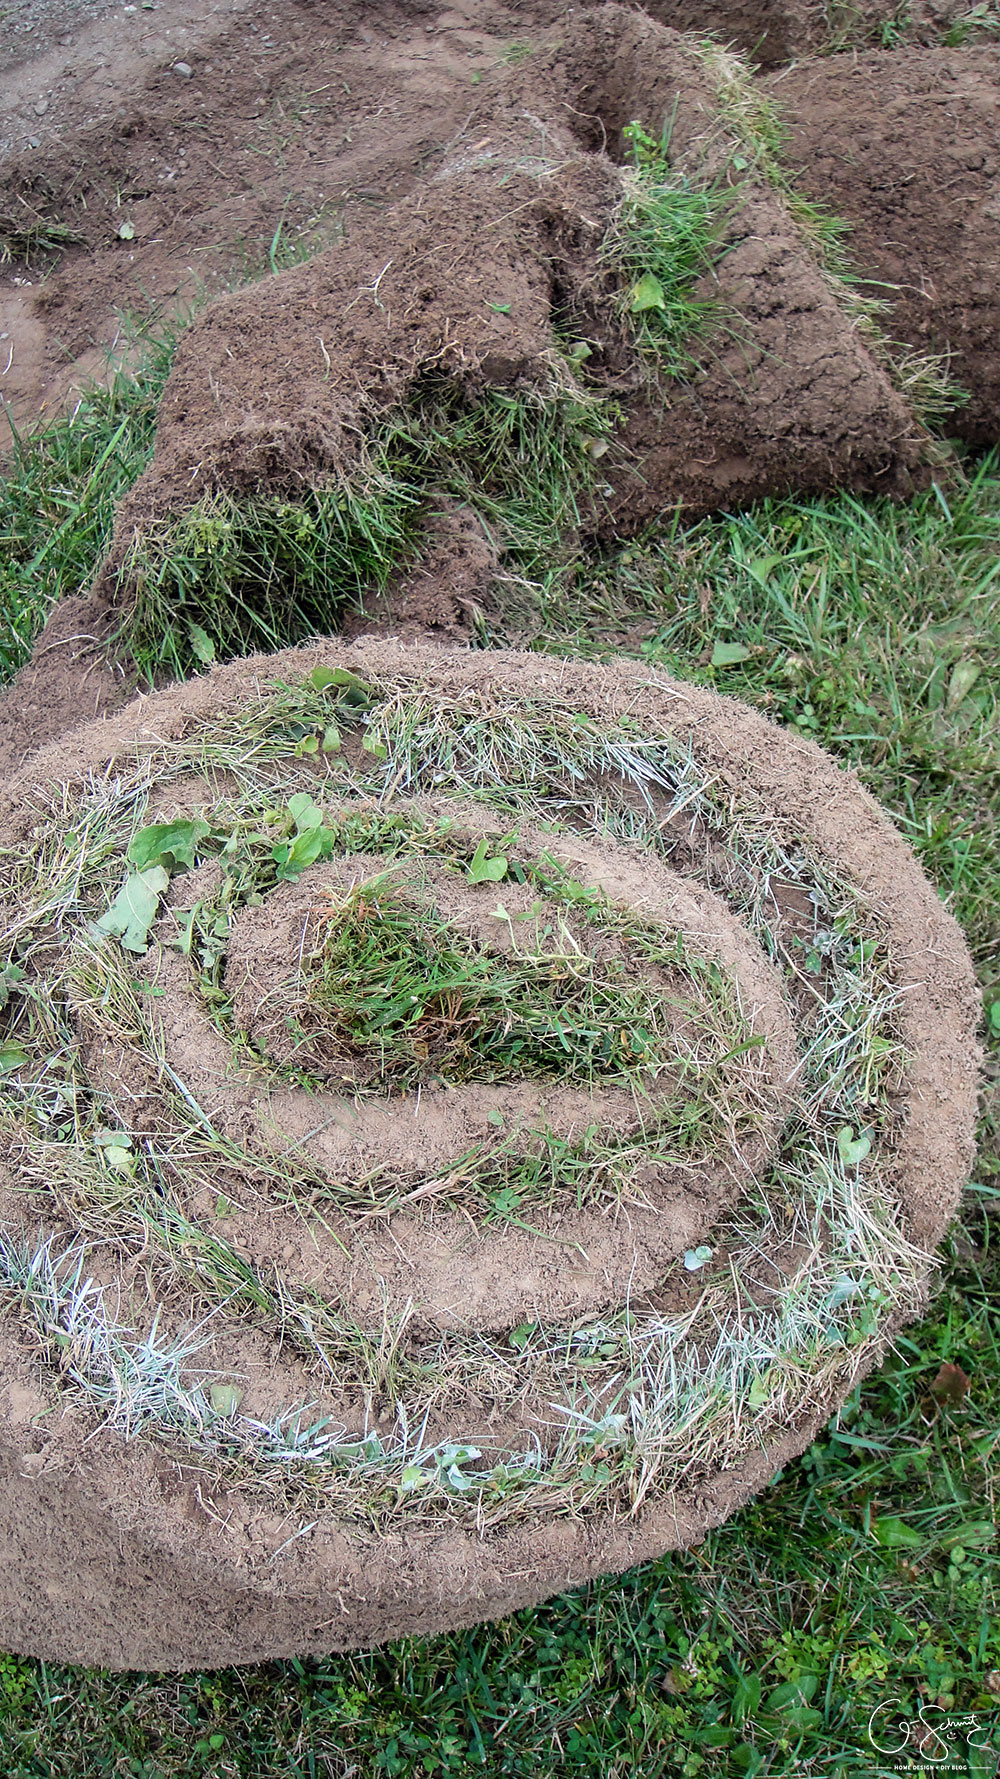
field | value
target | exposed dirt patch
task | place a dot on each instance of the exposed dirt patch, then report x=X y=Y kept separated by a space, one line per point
x=470 y=283
x=907 y=148
x=474 y=175
x=240 y=1572
x=309 y=118
x=772 y=32
x=301 y=118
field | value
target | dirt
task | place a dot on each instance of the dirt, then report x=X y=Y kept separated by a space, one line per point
x=907 y=149
x=316 y=126
x=458 y=170
x=380 y=1264
x=94 y=1530
x=488 y=163
x=465 y=280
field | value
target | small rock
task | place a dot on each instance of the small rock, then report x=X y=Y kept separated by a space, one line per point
x=34 y=142
x=41 y=107
x=183 y=70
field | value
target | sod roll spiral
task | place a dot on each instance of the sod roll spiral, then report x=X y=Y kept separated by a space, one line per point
x=466 y=1121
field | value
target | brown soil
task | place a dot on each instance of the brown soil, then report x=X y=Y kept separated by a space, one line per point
x=907 y=148
x=314 y=118
x=466 y=281
x=460 y=169
x=114 y=1553
x=772 y=32
x=467 y=175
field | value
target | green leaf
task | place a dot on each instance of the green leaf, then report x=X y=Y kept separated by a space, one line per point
x=519 y=1337
x=306 y=814
x=762 y=567
x=748 y=1759
x=852 y=1150
x=759 y=1391
x=133 y=910
x=413 y=1478
x=647 y=293
x=12 y=1057
x=225 y=1399
x=730 y=654
x=202 y=646
x=792 y=1693
x=895 y=1534
x=11 y=976
x=372 y=745
x=127 y=231
x=486 y=870
x=119 y=1158
x=495 y=1117
x=506 y=1200
x=168 y=844
x=696 y=1258
x=801 y=1718
x=746 y=1698
x=331 y=739
x=963 y=677
x=356 y=691
x=304 y=851
x=715 y=1735
x=971 y=1532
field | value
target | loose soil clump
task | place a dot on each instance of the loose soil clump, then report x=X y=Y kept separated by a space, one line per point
x=436 y=1324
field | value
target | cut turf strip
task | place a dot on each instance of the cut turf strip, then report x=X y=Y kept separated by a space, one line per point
x=467 y=1122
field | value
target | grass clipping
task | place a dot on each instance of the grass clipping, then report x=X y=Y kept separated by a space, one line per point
x=416 y=828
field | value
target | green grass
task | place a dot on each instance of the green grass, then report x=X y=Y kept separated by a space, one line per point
x=666 y=238
x=59 y=490
x=869 y=626
x=231 y=576
x=396 y=988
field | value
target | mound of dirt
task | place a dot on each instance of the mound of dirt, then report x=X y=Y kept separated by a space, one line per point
x=330 y=1319
x=125 y=184
x=773 y=33
x=470 y=285
x=907 y=149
